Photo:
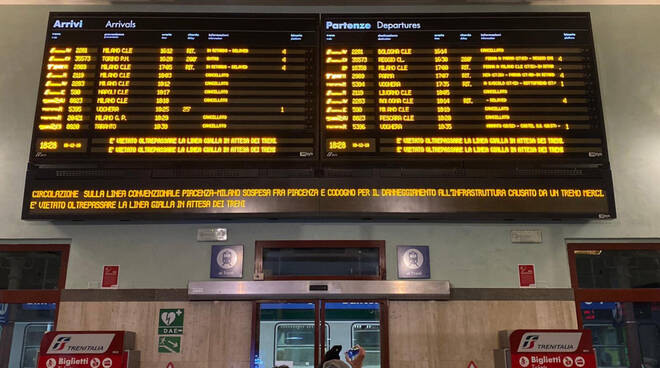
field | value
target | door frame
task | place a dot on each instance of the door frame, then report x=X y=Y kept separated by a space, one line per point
x=38 y=295
x=607 y=295
x=319 y=322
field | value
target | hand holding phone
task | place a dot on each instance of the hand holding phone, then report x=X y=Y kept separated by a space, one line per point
x=355 y=356
x=353 y=352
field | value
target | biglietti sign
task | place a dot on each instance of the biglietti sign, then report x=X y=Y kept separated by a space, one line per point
x=88 y=349
x=552 y=349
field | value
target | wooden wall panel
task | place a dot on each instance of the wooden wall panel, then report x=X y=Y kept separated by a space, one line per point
x=422 y=334
x=449 y=334
x=216 y=334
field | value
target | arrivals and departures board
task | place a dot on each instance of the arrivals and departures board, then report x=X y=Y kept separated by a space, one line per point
x=146 y=86
x=208 y=116
x=448 y=86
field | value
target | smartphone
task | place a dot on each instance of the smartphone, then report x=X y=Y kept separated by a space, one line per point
x=353 y=352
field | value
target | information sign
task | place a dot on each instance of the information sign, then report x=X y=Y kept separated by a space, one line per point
x=414 y=116
x=110 y=278
x=169 y=344
x=227 y=261
x=526 y=275
x=170 y=321
x=414 y=262
x=552 y=349
x=88 y=349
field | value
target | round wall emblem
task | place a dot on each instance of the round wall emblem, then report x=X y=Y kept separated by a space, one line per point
x=227 y=258
x=413 y=259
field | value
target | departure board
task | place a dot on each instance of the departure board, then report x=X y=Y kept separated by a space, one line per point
x=162 y=116
x=142 y=86
x=459 y=85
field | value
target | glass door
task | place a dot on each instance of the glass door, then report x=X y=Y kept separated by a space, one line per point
x=624 y=334
x=287 y=333
x=617 y=294
x=23 y=326
x=354 y=323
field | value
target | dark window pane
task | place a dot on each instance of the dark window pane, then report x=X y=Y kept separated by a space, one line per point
x=367 y=335
x=618 y=269
x=624 y=334
x=286 y=311
x=358 y=262
x=29 y=270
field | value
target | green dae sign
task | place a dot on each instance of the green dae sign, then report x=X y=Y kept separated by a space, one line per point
x=169 y=344
x=170 y=322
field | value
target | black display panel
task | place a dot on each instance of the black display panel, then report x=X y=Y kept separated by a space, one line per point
x=438 y=87
x=185 y=86
x=439 y=117
x=138 y=195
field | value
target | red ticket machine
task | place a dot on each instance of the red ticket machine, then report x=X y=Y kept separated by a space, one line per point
x=88 y=349
x=549 y=349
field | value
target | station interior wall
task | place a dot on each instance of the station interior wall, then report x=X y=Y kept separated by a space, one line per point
x=422 y=334
x=470 y=255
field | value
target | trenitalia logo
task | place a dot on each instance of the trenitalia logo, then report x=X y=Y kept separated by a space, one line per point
x=528 y=342
x=560 y=342
x=68 y=23
x=60 y=343
x=80 y=344
x=346 y=25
